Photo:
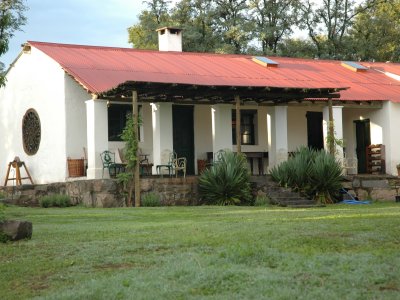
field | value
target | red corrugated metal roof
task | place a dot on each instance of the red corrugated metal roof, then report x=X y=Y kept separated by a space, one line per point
x=100 y=69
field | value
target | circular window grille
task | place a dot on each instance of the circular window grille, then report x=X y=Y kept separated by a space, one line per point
x=31 y=132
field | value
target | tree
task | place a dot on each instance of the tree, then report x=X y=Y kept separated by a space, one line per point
x=273 y=20
x=12 y=19
x=195 y=18
x=231 y=26
x=143 y=35
x=296 y=47
x=376 y=33
x=328 y=23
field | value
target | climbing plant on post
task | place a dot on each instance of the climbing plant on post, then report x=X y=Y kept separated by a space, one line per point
x=135 y=116
x=331 y=130
x=130 y=136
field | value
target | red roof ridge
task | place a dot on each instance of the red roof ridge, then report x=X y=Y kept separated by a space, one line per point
x=126 y=49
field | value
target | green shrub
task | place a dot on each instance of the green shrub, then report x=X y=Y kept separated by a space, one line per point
x=261 y=200
x=316 y=174
x=227 y=182
x=55 y=201
x=2 y=212
x=2 y=195
x=151 y=200
x=326 y=177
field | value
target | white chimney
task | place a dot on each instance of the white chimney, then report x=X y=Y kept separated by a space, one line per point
x=169 y=39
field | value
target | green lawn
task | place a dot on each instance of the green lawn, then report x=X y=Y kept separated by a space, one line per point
x=337 y=252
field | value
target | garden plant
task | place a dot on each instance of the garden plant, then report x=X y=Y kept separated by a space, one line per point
x=316 y=174
x=227 y=181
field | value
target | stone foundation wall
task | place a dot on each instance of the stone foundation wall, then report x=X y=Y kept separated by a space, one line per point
x=374 y=187
x=106 y=192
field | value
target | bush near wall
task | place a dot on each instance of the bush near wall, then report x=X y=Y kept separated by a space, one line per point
x=316 y=174
x=151 y=200
x=227 y=182
x=55 y=201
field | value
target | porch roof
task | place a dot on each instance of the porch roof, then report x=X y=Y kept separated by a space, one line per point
x=108 y=71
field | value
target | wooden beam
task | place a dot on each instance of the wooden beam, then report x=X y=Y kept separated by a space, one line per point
x=135 y=115
x=238 y=129
x=168 y=92
x=331 y=129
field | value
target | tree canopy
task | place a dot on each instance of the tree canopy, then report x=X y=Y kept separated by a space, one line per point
x=12 y=19
x=334 y=29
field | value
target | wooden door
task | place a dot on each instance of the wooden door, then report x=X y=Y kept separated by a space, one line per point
x=363 y=140
x=183 y=131
x=315 y=135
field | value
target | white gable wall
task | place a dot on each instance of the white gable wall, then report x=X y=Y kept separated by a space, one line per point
x=75 y=117
x=35 y=81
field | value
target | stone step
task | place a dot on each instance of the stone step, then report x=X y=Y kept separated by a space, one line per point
x=295 y=201
x=306 y=206
x=283 y=196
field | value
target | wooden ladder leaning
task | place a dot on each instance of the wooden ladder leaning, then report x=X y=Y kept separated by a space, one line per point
x=17 y=164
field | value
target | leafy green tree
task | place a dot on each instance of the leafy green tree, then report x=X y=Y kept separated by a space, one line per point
x=12 y=19
x=273 y=20
x=328 y=22
x=231 y=25
x=195 y=18
x=376 y=33
x=295 y=47
x=143 y=35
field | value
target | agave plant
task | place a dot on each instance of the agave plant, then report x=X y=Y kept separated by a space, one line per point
x=315 y=173
x=226 y=182
x=326 y=177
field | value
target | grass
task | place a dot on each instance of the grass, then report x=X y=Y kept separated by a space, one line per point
x=347 y=252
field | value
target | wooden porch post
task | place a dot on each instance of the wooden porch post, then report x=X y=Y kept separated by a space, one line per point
x=136 y=174
x=238 y=130
x=331 y=130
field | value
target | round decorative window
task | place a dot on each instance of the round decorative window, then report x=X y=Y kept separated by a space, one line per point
x=31 y=131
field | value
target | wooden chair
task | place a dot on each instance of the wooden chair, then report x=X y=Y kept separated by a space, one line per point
x=85 y=161
x=122 y=156
x=167 y=157
x=217 y=158
x=145 y=165
x=179 y=164
x=349 y=165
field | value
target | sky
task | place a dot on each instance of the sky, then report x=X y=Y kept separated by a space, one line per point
x=86 y=22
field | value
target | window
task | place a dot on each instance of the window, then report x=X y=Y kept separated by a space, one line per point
x=31 y=132
x=117 y=114
x=248 y=117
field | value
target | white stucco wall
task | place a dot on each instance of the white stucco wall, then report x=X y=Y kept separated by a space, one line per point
x=202 y=132
x=35 y=81
x=75 y=118
x=385 y=125
x=297 y=125
x=392 y=136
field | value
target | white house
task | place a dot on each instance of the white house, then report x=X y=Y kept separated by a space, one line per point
x=60 y=99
